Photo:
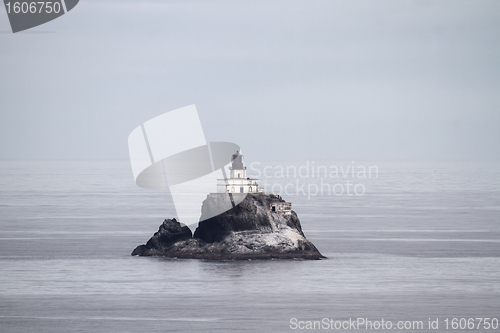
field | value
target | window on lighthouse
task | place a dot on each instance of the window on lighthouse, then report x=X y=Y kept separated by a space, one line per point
x=232 y=189
x=250 y=189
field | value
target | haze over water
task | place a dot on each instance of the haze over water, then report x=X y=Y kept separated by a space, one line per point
x=422 y=242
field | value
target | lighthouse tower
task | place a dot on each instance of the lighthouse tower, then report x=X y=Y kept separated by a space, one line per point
x=237 y=181
x=237 y=168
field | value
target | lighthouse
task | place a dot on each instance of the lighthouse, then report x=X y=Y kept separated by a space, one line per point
x=237 y=181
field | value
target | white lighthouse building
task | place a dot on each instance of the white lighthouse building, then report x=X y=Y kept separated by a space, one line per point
x=237 y=181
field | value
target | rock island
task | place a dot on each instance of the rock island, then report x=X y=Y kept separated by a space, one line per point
x=258 y=226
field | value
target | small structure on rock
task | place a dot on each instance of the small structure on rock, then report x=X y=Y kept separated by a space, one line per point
x=284 y=208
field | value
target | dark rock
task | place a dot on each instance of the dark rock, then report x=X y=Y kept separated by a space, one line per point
x=250 y=214
x=169 y=233
x=248 y=231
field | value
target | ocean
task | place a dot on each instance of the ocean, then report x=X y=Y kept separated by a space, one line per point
x=414 y=242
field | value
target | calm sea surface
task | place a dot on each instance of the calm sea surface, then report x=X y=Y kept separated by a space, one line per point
x=423 y=241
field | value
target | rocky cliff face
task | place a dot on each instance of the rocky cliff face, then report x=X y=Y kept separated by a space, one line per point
x=248 y=231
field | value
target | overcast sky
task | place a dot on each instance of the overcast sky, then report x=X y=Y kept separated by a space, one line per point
x=283 y=79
